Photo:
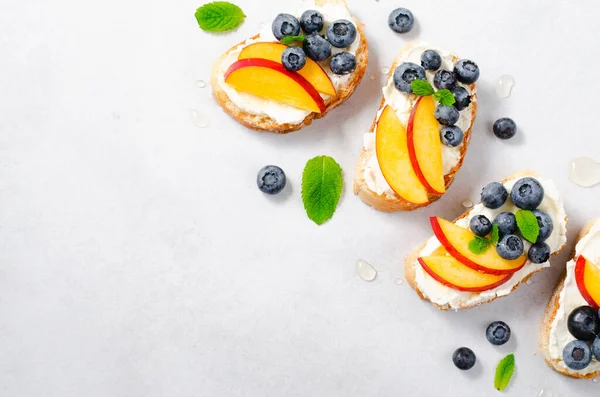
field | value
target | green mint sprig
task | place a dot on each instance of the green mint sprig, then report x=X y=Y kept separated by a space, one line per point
x=219 y=16
x=528 y=225
x=292 y=39
x=321 y=188
x=479 y=245
x=504 y=372
x=423 y=88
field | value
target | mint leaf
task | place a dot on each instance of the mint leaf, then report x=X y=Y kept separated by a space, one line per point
x=479 y=245
x=292 y=39
x=528 y=225
x=495 y=234
x=444 y=97
x=504 y=371
x=321 y=188
x=219 y=16
x=421 y=87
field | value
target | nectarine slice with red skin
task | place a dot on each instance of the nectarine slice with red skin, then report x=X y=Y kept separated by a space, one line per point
x=392 y=155
x=425 y=146
x=270 y=80
x=455 y=240
x=453 y=274
x=312 y=71
x=587 y=277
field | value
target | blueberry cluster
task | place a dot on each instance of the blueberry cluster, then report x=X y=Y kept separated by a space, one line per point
x=527 y=194
x=584 y=324
x=497 y=333
x=340 y=34
x=465 y=71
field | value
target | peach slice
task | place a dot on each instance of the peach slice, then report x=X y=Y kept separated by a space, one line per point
x=453 y=274
x=456 y=240
x=425 y=146
x=392 y=155
x=312 y=71
x=587 y=276
x=269 y=79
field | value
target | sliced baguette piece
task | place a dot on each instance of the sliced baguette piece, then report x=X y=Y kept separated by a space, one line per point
x=552 y=310
x=266 y=123
x=393 y=202
x=411 y=263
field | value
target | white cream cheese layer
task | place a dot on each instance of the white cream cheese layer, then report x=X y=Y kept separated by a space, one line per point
x=451 y=298
x=282 y=113
x=403 y=103
x=570 y=298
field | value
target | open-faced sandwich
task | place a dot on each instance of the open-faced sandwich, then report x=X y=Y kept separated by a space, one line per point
x=421 y=132
x=296 y=69
x=492 y=248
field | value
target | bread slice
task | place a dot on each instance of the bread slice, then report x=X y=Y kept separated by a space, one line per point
x=393 y=202
x=411 y=263
x=265 y=123
x=550 y=315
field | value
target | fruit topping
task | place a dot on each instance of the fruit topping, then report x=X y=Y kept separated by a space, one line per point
x=527 y=193
x=401 y=20
x=293 y=59
x=587 y=277
x=539 y=253
x=446 y=115
x=431 y=60
x=510 y=247
x=285 y=25
x=462 y=97
x=504 y=128
x=444 y=80
x=596 y=348
x=583 y=323
x=498 y=333
x=451 y=135
x=341 y=33
x=343 y=63
x=271 y=179
x=506 y=222
x=545 y=224
x=494 y=195
x=316 y=47
x=405 y=74
x=480 y=225
x=311 y=21
x=464 y=358
x=577 y=355
x=467 y=72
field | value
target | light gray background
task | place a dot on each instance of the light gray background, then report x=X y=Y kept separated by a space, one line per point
x=138 y=258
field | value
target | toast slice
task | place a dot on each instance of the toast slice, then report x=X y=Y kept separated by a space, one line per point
x=262 y=120
x=444 y=297
x=556 y=313
x=369 y=183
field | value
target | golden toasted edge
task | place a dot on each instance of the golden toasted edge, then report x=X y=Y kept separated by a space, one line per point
x=410 y=262
x=383 y=202
x=550 y=314
x=264 y=123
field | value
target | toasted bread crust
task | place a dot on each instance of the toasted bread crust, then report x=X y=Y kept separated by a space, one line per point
x=387 y=203
x=550 y=314
x=410 y=263
x=264 y=123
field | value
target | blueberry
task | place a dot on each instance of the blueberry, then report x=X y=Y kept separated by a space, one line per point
x=401 y=20
x=494 y=195
x=539 y=253
x=285 y=25
x=341 y=33
x=405 y=74
x=480 y=225
x=311 y=21
x=316 y=47
x=596 y=348
x=431 y=60
x=463 y=99
x=444 y=80
x=467 y=72
x=293 y=59
x=498 y=333
x=446 y=115
x=527 y=193
x=583 y=323
x=507 y=223
x=545 y=223
x=271 y=179
x=505 y=128
x=464 y=358
x=343 y=63
x=510 y=247
x=577 y=355
x=451 y=135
